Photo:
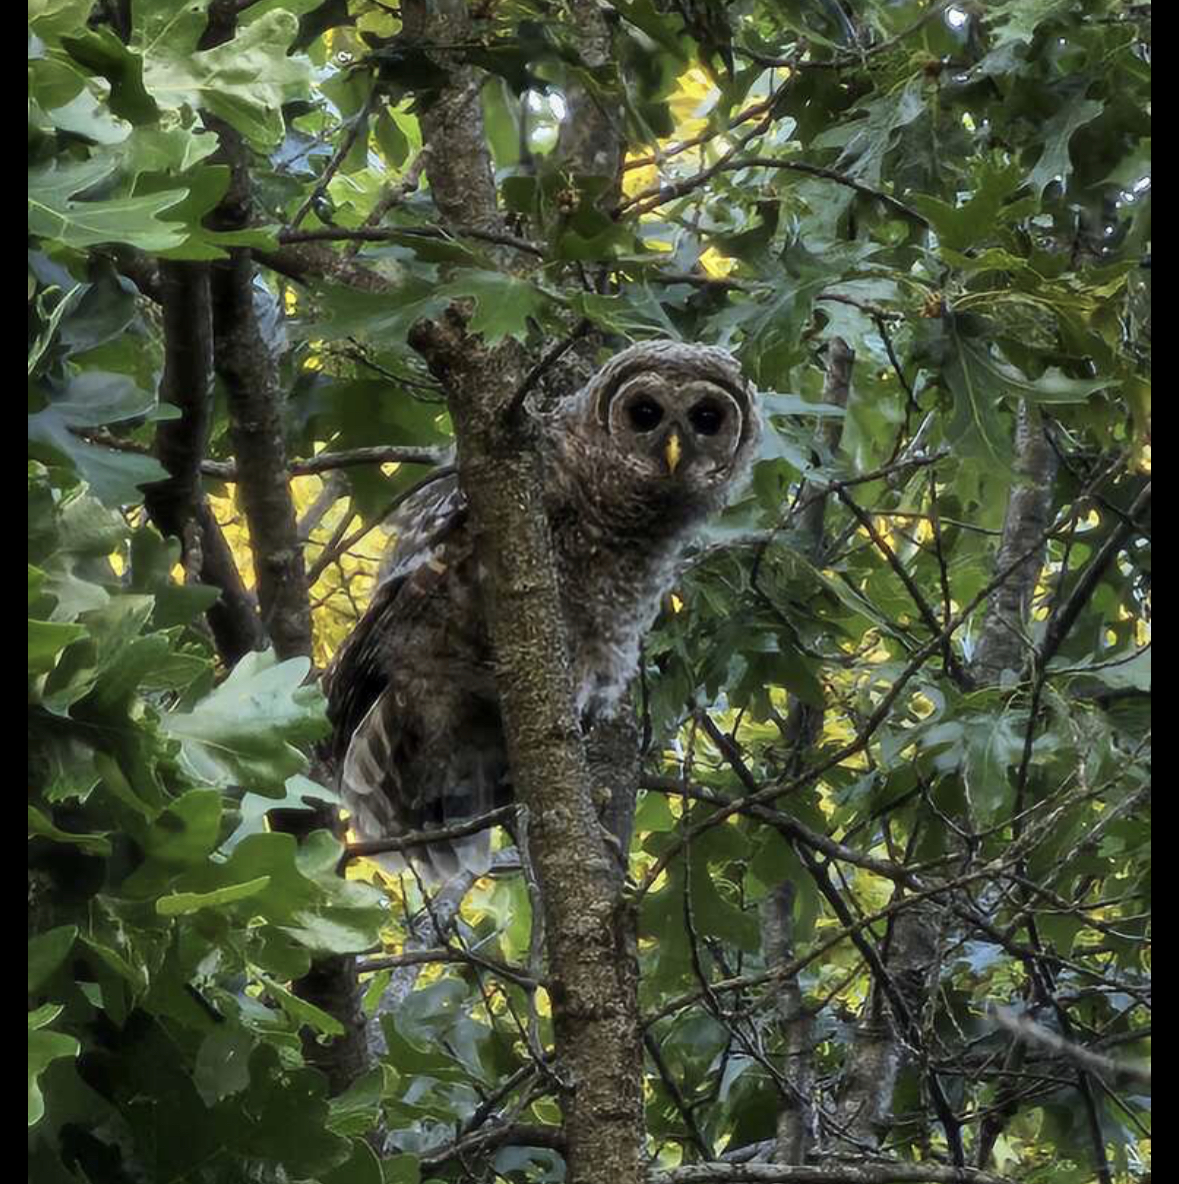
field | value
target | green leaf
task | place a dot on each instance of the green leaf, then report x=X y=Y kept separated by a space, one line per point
x=391 y=139
x=299 y=793
x=222 y=1066
x=182 y=903
x=976 y=220
x=363 y=1167
x=376 y=317
x=244 y=732
x=113 y=659
x=44 y=1048
x=246 y=81
x=1054 y=163
x=663 y=28
x=303 y=1013
x=115 y=478
x=52 y=321
x=47 y=951
x=182 y=835
x=96 y=397
x=982 y=385
x=635 y=314
x=355 y=1110
x=84 y=116
x=101 y=52
x=505 y=304
x=92 y=844
x=36 y=583
x=46 y=640
x=866 y=142
x=51 y=18
x=55 y=215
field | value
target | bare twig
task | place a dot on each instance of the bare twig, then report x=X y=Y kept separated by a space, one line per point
x=357 y=124
x=1025 y=1028
x=323 y=462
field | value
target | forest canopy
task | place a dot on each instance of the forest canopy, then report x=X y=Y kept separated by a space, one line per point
x=876 y=902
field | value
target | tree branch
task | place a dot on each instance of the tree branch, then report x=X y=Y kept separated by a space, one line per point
x=589 y=928
x=430 y=957
x=1001 y=644
x=249 y=370
x=868 y=1172
x=796 y=1119
x=177 y=506
x=1027 y=1030
x=323 y=462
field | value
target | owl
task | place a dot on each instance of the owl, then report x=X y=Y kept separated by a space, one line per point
x=633 y=464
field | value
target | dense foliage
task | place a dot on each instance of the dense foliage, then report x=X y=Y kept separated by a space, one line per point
x=891 y=852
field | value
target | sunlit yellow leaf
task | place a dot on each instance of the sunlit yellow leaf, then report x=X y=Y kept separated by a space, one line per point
x=716 y=264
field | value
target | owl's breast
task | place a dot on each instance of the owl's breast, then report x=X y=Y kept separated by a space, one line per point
x=610 y=597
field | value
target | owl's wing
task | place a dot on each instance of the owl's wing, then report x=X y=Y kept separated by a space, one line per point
x=422 y=523
x=359 y=672
x=417 y=737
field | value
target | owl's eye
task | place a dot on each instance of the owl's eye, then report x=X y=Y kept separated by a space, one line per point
x=645 y=414
x=707 y=418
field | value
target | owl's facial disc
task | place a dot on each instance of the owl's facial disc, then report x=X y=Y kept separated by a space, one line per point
x=686 y=432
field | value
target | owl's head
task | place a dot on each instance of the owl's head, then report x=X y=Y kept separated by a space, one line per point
x=679 y=417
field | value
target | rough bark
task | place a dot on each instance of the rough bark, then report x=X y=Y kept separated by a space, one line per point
x=177 y=506
x=802 y=730
x=591 y=930
x=1002 y=645
x=797 y=1117
x=590 y=141
x=233 y=620
x=248 y=367
x=612 y=748
x=249 y=370
x=879 y=1052
x=462 y=182
x=303 y=262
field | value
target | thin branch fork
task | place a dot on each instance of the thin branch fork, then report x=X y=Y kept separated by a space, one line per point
x=1023 y=1028
x=423 y=838
x=341 y=544
x=500 y=1135
x=448 y=954
x=381 y=234
x=953 y=666
x=657 y=158
x=649 y=200
x=357 y=124
x=324 y=462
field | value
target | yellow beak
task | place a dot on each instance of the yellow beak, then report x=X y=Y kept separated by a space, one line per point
x=672 y=452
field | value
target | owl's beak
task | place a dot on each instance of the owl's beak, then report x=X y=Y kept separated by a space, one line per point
x=673 y=450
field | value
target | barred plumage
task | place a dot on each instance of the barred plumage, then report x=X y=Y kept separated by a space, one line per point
x=634 y=463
